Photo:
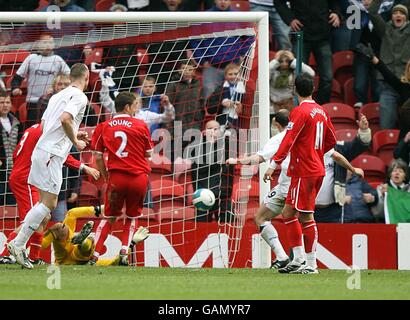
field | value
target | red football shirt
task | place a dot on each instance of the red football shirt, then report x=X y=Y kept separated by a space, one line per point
x=126 y=140
x=310 y=134
x=22 y=154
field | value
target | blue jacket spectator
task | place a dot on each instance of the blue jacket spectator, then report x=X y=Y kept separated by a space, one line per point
x=360 y=196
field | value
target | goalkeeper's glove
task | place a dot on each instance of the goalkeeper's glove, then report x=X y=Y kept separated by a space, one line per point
x=141 y=234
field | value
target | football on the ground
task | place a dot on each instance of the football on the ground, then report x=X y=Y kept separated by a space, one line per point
x=203 y=199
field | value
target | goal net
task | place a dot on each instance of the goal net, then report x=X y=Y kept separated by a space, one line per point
x=210 y=69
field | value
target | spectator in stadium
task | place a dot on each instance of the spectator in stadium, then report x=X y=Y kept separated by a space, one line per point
x=280 y=31
x=10 y=134
x=331 y=197
x=151 y=101
x=397 y=178
x=209 y=171
x=87 y=5
x=215 y=53
x=394 y=34
x=282 y=77
x=134 y=5
x=40 y=69
x=169 y=5
x=402 y=150
x=186 y=95
x=118 y=7
x=364 y=73
x=359 y=199
x=226 y=101
x=316 y=22
x=60 y=82
x=70 y=54
x=401 y=86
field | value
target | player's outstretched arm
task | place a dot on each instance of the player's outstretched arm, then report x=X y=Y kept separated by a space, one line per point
x=254 y=159
x=342 y=161
x=92 y=172
x=67 y=123
x=99 y=161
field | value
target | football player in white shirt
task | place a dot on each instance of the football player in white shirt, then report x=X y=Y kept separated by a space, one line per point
x=60 y=123
x=274 y=201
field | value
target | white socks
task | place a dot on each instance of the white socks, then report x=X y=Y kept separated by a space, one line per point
x=31 y=223
x=311 y=260
x=298 y=254
x=270 y=235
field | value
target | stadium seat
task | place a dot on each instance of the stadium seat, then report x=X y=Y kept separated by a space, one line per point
x=13 y=58
x=89 y=195
x=375 y=184
x=104 y=5
x=8 y=212
x=312 y=61
x=371 y=111
x=148 y=214
x=384 y=142
x=240 y=5
x=342 y=115
x=170 y=211
x=348 y=93
x=22 y=112
x=96 y=55
x=160 y=164
x=272 y=55
x=373 y=167
x=42 y=4
x=166 y=189
x=246 y=189
x=336 y=95
x=346 y=134
x=342 y=66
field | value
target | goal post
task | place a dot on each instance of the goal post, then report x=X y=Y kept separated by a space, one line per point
x=141 y=46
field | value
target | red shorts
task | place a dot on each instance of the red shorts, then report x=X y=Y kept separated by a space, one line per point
x=302 y=193
x=26 y=195
x=125 y=189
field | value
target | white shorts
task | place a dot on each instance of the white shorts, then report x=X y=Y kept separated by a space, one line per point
x=275 y=201
x=46 y=171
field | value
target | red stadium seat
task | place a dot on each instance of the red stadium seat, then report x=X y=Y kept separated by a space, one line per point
x=373 y=167
x=342 y=66
x=22 y=112
x=13 y=57
x=167 y=189
x=346 y=134
x=245 y=189
x=148 y=214
x=89 y=195
x=272 y=55
x=96 y=55
x=170 y=211
x=336 y=95
x=348 y=94
x=372 y=113
x=240 y=5
x=160 y=164
x=104 y=5
x=8 y=212
x=342 y=115
x=384 y=142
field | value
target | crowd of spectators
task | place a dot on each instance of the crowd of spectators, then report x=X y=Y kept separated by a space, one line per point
x=181 y=81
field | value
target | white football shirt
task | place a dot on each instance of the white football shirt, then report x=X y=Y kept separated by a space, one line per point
x=268 y=151
x=326 y=194
x=54 y=139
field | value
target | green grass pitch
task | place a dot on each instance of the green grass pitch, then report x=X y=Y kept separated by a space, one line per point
x=85 y=282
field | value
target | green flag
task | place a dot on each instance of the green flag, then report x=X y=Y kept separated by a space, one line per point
x=396 y=206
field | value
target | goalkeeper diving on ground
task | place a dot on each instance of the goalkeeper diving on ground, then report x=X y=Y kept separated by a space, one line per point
x=77 y=248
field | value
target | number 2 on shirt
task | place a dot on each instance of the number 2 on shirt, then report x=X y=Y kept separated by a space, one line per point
x=120 y=152
x=319 y=135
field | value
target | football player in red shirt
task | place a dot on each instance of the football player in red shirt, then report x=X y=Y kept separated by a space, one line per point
x=310 y=134
x=128 y=143
x=27 y=195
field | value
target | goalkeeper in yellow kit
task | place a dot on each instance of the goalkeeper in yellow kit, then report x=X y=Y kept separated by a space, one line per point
x=71 y=248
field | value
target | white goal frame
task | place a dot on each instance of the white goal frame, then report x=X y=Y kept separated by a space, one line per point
x=260 y=18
